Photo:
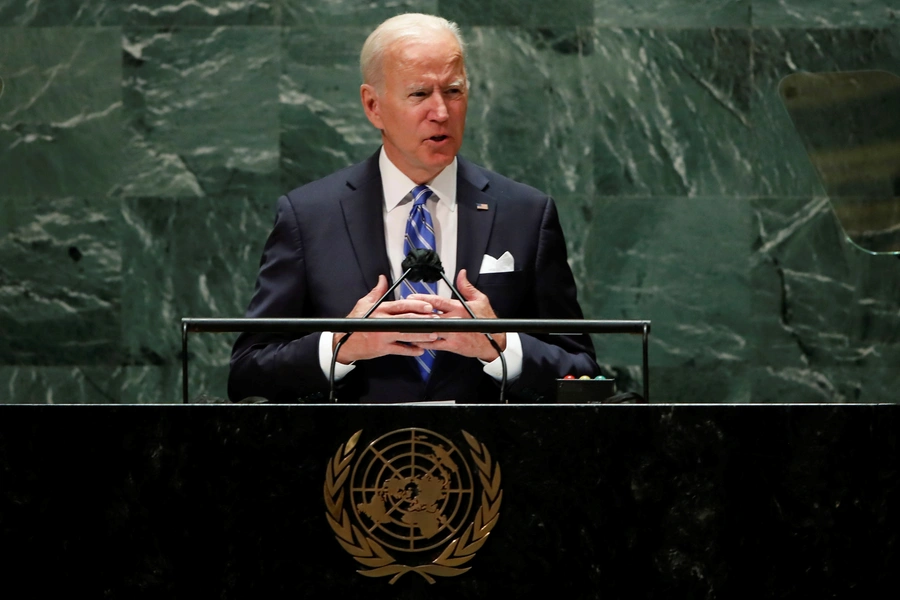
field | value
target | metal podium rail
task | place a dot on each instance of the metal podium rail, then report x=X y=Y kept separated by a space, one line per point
x=547 y=326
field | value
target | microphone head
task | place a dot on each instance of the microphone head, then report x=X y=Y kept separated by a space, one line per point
x=423 y=265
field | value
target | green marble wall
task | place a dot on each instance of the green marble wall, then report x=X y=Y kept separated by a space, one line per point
x=143 y=144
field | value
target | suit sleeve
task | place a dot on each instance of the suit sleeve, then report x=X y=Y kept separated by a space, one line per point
x=278 y=367
x=547 y=358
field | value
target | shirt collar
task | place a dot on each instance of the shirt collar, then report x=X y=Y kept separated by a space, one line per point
x=397 y=185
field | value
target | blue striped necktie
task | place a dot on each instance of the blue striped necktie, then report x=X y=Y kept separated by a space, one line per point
x=420 y=234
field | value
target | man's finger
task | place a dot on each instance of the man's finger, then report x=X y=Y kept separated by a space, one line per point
x=406 y=349
x=407 y=306
x=376 y=292
x=380 y=288
x=416 y=338
x=468 y=291
x=425 y=297
x=444 y=341
x=438 y=302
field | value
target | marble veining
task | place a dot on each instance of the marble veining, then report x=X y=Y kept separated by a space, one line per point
x=143 y=145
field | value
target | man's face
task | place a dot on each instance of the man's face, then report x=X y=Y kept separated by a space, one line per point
x=421 y=108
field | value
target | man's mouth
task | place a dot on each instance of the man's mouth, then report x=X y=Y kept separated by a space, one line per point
x=438 y=138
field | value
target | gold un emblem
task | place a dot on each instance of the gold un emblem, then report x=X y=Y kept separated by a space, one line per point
x=409 y=497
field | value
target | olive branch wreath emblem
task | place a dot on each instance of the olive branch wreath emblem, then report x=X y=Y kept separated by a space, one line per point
x=372 y=555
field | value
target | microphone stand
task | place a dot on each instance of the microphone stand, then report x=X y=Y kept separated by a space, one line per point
x=421 y=265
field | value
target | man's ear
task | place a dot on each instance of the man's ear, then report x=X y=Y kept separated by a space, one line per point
x=371 y=105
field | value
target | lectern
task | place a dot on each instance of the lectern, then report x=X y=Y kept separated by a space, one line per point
x=455 y=502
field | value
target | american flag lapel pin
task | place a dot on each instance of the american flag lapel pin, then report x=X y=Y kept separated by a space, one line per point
x=481 y=206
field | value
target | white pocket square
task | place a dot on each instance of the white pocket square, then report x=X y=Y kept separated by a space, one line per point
x=504 y=264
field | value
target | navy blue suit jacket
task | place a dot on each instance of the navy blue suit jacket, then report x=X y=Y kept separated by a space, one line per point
x=326 y=251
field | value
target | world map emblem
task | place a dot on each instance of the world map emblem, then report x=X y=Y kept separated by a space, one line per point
x=411 y=501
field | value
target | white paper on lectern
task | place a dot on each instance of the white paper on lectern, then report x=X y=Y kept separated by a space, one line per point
x=428 y=402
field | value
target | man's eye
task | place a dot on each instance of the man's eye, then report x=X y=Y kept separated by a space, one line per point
x=418 y=94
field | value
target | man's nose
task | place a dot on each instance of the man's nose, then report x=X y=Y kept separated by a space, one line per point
x=439 y=110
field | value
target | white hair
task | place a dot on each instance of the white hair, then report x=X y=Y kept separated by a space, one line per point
x=410 y=26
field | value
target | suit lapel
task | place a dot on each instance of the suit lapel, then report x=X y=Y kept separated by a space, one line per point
x=477 y=211
x=362 y=208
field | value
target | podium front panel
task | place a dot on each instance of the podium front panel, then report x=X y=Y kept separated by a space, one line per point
x=576 y=501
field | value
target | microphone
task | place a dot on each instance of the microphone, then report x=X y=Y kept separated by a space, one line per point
x=420 y=265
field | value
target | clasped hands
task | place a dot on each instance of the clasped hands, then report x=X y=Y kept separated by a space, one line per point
x=372 y=344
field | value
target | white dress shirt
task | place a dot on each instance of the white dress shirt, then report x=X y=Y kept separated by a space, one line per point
x=397 y=189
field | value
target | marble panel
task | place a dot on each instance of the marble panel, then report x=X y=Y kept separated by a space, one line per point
x=672 y=112
x=60 y=385
x=701 y=381
x=43 y=13
x=824 y=311
x=528 y=104
x=681 y=263
x=825 y=384
x=524 y=13
x=163 y=385
x=698 y=381
x=148 y=384
x=188 y=258
x=60 y=278
x=60 y=112
x=819 y=14
x=781 y=165
x=672 y=13
x=313 y=14
x=202 y=111
x=198 y=12
x=323 y=126
x=50 y=13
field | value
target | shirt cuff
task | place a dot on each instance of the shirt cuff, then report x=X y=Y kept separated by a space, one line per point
x=513 y=355
x=340 y=369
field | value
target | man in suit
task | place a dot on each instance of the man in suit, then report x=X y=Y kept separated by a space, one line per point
x=338 y=241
